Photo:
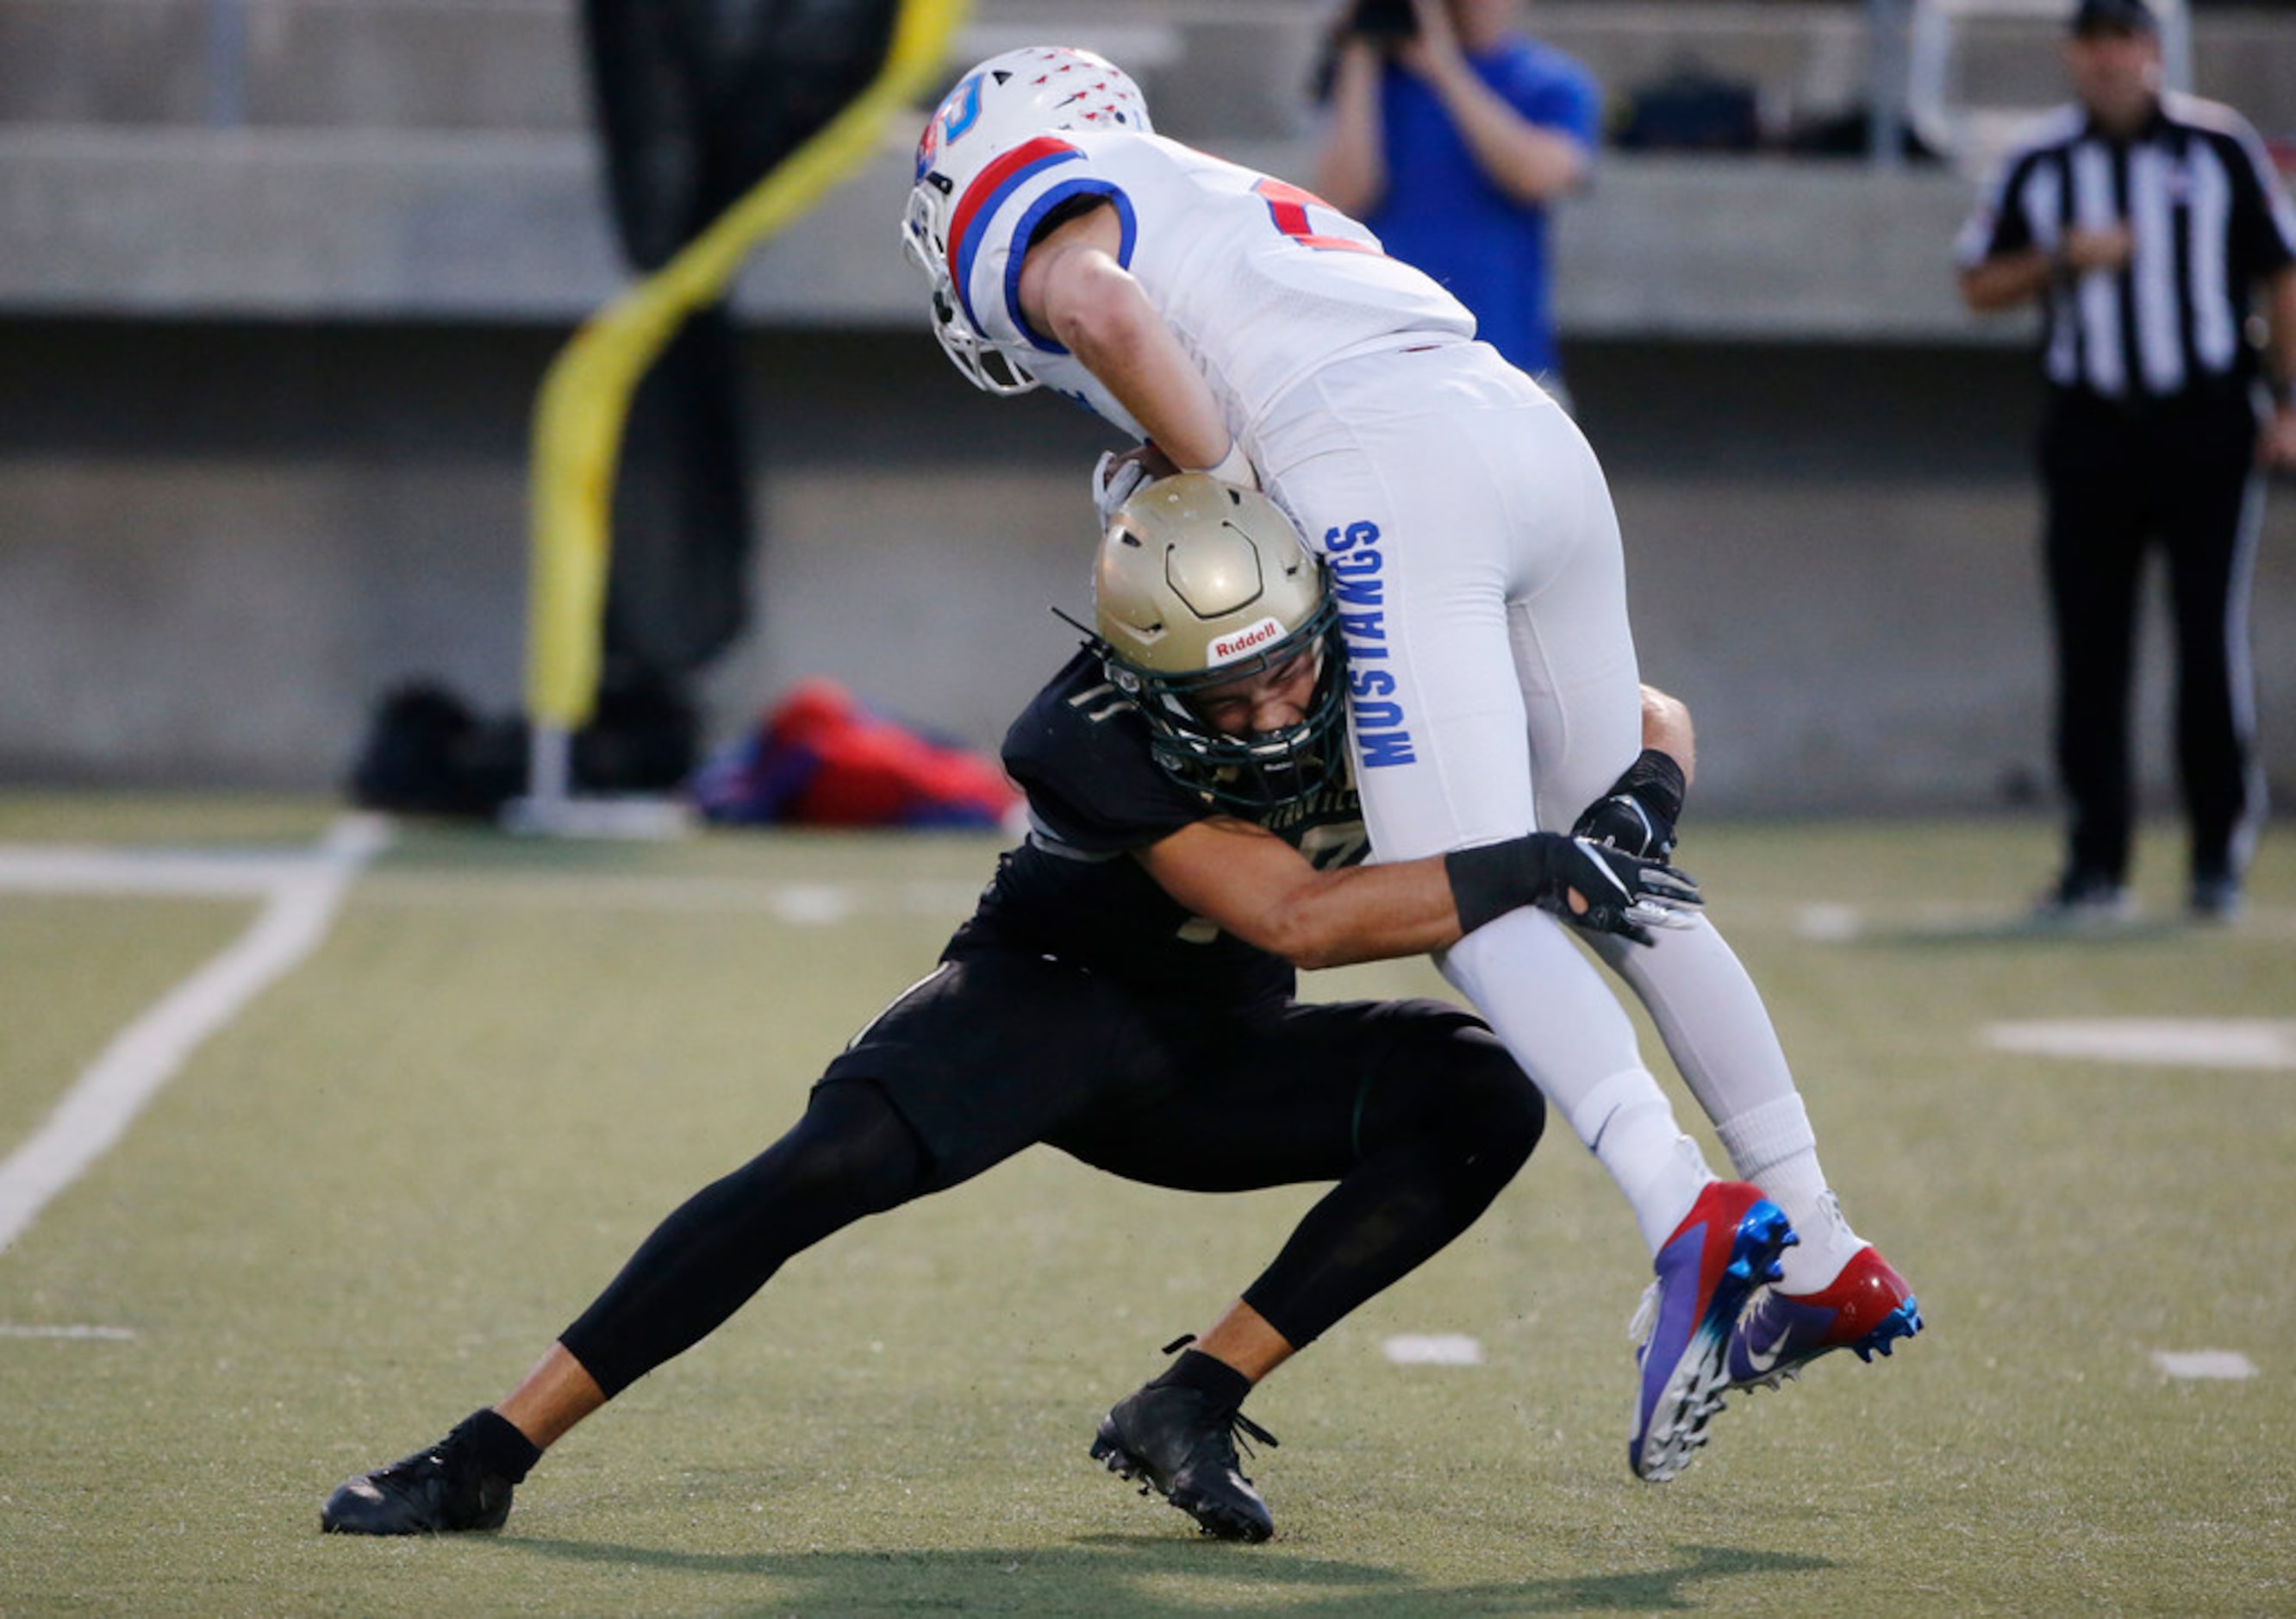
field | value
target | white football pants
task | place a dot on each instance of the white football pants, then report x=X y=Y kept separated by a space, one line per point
x=1476 y=555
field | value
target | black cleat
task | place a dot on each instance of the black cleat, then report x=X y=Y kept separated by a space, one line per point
x=1180 y=1444
x=445 y=1487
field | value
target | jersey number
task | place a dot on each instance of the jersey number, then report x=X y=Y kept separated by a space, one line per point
x=1329 y=848
x=1326 y=847
x=1288 y=206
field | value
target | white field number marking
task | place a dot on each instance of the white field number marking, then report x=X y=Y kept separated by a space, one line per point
x=2220 y=1364
x=1434 y=1349
x=2174 y=1042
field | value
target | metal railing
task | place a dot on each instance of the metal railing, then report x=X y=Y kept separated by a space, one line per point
x=226 y=59
x=1910 y=43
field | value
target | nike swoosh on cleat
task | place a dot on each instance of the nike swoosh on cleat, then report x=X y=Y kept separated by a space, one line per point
x=1760 y=1359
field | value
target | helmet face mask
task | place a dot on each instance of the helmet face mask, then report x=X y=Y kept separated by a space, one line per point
x=1200 y=586
x=1257 y=772
x=922 y=242
x=1003 y=102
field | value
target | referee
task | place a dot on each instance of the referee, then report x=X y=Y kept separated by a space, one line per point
x=2144 y=223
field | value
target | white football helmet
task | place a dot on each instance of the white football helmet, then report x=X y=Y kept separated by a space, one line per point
x=1001 y=103
x=1200 y=583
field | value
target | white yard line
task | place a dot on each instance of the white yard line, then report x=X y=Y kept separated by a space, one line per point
x=300 y=892
x=798 y=903
x=1830 y=921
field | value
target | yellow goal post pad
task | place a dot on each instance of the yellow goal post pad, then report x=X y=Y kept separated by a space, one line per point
x=585 y=397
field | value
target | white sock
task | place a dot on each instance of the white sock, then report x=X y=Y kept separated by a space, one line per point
x=1660 y=1169
x=1772 y=1147
x=1719 y=1034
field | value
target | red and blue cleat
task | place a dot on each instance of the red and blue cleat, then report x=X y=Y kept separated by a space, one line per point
x=1867 y=1308
x=1726 y=1248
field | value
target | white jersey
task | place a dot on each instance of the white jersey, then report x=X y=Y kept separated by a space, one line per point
x=1261 y=282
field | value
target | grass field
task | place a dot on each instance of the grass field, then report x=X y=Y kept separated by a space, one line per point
x=375 y=1193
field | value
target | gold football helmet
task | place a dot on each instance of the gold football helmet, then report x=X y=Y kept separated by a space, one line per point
x=1200 y=583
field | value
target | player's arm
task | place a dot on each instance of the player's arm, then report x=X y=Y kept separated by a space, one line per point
x=1073 y=288
x=1639 y=814
x=1666 y=730
x=1258 y=887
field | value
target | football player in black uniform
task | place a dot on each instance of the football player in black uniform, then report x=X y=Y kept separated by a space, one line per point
x=1124 y=992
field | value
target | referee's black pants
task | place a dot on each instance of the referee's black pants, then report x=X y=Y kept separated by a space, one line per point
x=2182 y=473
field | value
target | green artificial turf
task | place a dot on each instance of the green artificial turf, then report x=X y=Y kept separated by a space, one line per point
x=370 y=1200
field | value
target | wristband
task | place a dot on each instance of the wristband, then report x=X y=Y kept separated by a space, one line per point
x=1492 y=879
x=1656 y=782
x=1234 y=467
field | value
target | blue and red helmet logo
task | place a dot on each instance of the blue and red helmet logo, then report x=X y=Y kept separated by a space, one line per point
x=959 y=111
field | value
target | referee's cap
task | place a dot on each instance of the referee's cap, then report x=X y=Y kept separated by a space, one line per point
x=2123 y=16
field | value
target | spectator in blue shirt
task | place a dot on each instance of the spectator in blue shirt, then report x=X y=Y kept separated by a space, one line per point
x=1451 y=131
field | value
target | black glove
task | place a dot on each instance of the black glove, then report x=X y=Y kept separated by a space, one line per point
x=1639 y=812
x=1625 y=894
x=1624 y=822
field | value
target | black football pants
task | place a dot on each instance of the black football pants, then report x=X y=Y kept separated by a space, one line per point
x=1417 y=1156
x=2182 y=475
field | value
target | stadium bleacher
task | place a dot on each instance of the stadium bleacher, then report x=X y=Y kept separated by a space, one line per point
x=430 y=159
x=277 y=278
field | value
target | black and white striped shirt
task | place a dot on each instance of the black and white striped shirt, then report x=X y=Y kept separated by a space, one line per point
x=2208 y=216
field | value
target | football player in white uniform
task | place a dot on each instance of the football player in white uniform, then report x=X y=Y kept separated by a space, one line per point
x=1239 y=326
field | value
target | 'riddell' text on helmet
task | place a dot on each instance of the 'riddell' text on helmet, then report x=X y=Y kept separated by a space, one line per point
x=1200 y=583
x=1005 y=100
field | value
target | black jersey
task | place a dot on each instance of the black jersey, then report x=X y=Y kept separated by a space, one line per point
x=1073 y=892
